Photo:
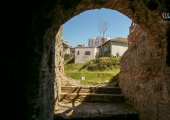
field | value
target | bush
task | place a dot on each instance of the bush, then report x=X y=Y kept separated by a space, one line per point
x=103 y=63
x=67 y=57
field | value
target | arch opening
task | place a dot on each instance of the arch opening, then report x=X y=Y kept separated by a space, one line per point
x=86 y=33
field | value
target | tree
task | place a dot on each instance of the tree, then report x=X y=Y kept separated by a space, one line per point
x=103 y=27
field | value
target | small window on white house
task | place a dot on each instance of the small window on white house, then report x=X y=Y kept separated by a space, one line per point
x=78 y=52
x=87 y=52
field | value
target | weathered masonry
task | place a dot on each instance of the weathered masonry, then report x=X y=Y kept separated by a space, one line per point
x=30 y=58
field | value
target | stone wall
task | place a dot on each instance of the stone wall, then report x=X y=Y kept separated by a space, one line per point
x=60 y=77
x=133 y=32
x=29 y=61
x=46 y=87
x=59 y=65
x=144 y=76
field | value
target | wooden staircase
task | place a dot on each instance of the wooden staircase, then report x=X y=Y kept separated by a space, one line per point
x=92 y=102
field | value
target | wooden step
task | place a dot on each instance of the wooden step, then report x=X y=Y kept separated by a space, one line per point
x=90 y=89
x=91 y=97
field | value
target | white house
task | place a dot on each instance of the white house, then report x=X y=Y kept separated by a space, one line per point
x=113 y=47
x=83 y=54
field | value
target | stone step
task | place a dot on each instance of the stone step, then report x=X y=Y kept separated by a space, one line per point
x=91 y=97
x=90 y=89
x=96 y=111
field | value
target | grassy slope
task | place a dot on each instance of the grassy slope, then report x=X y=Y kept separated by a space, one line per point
x=95 y=76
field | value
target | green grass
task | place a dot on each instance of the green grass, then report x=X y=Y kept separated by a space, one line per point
x=92 y=77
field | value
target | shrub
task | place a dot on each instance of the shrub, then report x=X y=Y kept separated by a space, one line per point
x=67 y=57
x=103 y=63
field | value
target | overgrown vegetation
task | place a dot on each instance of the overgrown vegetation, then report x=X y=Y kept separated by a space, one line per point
x=68 y=58
x=99 y=71
x=103 y=63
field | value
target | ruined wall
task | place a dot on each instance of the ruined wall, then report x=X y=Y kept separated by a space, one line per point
x=46 y=87
x=59 y=65
x=143 y=76
x=59 y=56
x=29 y=61
x=60 y=77
x=133 y=32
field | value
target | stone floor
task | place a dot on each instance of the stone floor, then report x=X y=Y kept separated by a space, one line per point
x=96 y=111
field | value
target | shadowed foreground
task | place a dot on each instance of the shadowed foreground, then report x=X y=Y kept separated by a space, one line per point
x=97 y=103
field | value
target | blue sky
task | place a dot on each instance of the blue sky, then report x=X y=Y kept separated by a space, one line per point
x=86 y=25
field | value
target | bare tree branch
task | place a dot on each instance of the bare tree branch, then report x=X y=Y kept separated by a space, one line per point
x=103 y=27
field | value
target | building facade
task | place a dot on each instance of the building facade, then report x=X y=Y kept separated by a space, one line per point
x=83 y=54
x=113 y=47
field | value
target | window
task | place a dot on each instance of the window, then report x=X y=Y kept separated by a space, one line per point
x=87 y=52
x=78 y=52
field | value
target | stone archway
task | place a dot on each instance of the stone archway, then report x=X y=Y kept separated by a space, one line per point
x=144 y=73
x=142 y=65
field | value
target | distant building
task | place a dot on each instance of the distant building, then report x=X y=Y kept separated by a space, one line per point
x=97 y=41
x=80 y=45
x=83 y=54
x=113 y=47
x=72 y=50
x=66 y=47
